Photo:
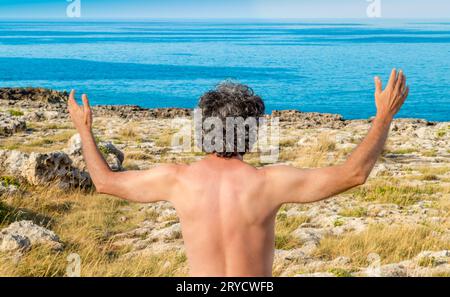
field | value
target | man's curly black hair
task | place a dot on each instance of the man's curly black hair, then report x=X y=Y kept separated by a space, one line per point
x=232 y=100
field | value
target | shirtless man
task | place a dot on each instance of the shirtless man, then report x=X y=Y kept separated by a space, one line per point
x=226 y=207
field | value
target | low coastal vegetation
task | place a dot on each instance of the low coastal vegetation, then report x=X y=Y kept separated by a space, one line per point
x=15 y=112
x=392 y=244
x=285 y=225
x=393 y=191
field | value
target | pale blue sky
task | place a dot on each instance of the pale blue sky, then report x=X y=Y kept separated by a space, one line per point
x=225 y=8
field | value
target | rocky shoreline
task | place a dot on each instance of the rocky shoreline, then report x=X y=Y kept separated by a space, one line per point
x=66 y=167
x=402 y=214
x=47 y=104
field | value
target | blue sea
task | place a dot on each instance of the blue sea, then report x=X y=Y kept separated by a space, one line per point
x=318 y=65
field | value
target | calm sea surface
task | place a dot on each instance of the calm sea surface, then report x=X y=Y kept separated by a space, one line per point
x=323 y=66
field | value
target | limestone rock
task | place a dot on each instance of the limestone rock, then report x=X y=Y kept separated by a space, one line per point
x=113 y=156
x=341 y=261
x=382 y=210
x=12 y=162
x=168 y=233
x=137 y=112
x=433 y=258
x=394 y=270
x=24 y=234
x=13 y=242
x=290 y=255
x=43 y=168
x=11 y=124
x=310 y=235
x=304 y=120
x=155 y=248
x=66 y=169
x=33 y=94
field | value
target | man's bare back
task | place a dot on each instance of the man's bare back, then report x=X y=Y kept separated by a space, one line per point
x=226 y=207
x=228 y=227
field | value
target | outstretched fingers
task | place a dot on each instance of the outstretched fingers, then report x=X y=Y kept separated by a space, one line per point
x=405 y=93
x=401 y=81
x=86 y=108
x=392 y=79
x=72 y=102
x=72 y=95
x=378 y=85
x=85 y=102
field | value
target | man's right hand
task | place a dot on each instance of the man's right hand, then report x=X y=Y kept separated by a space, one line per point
x=392 y=98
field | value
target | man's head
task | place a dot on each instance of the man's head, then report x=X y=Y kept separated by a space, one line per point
x=231 y=100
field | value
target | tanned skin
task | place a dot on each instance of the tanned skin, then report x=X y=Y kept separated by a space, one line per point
x=226 y=207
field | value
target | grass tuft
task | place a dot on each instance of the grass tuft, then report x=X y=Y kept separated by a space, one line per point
x=395 y=192
x=393 y=243
x=283 y=229
x=15 y=113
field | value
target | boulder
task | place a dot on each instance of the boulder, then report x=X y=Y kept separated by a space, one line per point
x=11 y=124
x=12 y=162
x=113 y=156
x=43 y=168
x=66 y=169
x=13 y=242
x=56 y=167
x=394 y=270
x=23 y=235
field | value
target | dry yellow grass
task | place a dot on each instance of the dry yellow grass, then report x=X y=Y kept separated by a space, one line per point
x=316 y=155
x=394 y=191
x=42 y=262
x=435 y=170
x=85 y=223
x=284 y=227
x=392 y=243
x=164 y=139
x=53 y=142
x=355 y=212
x=129 y=132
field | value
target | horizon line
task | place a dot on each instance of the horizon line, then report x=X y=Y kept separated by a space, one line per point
x=80 y=19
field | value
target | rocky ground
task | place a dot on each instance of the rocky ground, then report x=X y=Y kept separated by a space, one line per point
x=395 y=225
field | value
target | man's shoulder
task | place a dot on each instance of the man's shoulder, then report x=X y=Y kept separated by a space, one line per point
x=167 y=169
x=281 y=174
x=276 y=169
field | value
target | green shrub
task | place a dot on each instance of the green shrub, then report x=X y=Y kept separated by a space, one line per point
x=339 y=272
x=355 y=212
x=9 y=181
x=15 y=113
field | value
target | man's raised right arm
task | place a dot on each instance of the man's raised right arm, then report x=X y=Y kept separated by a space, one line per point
x=292 y=185
x=143 y=186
